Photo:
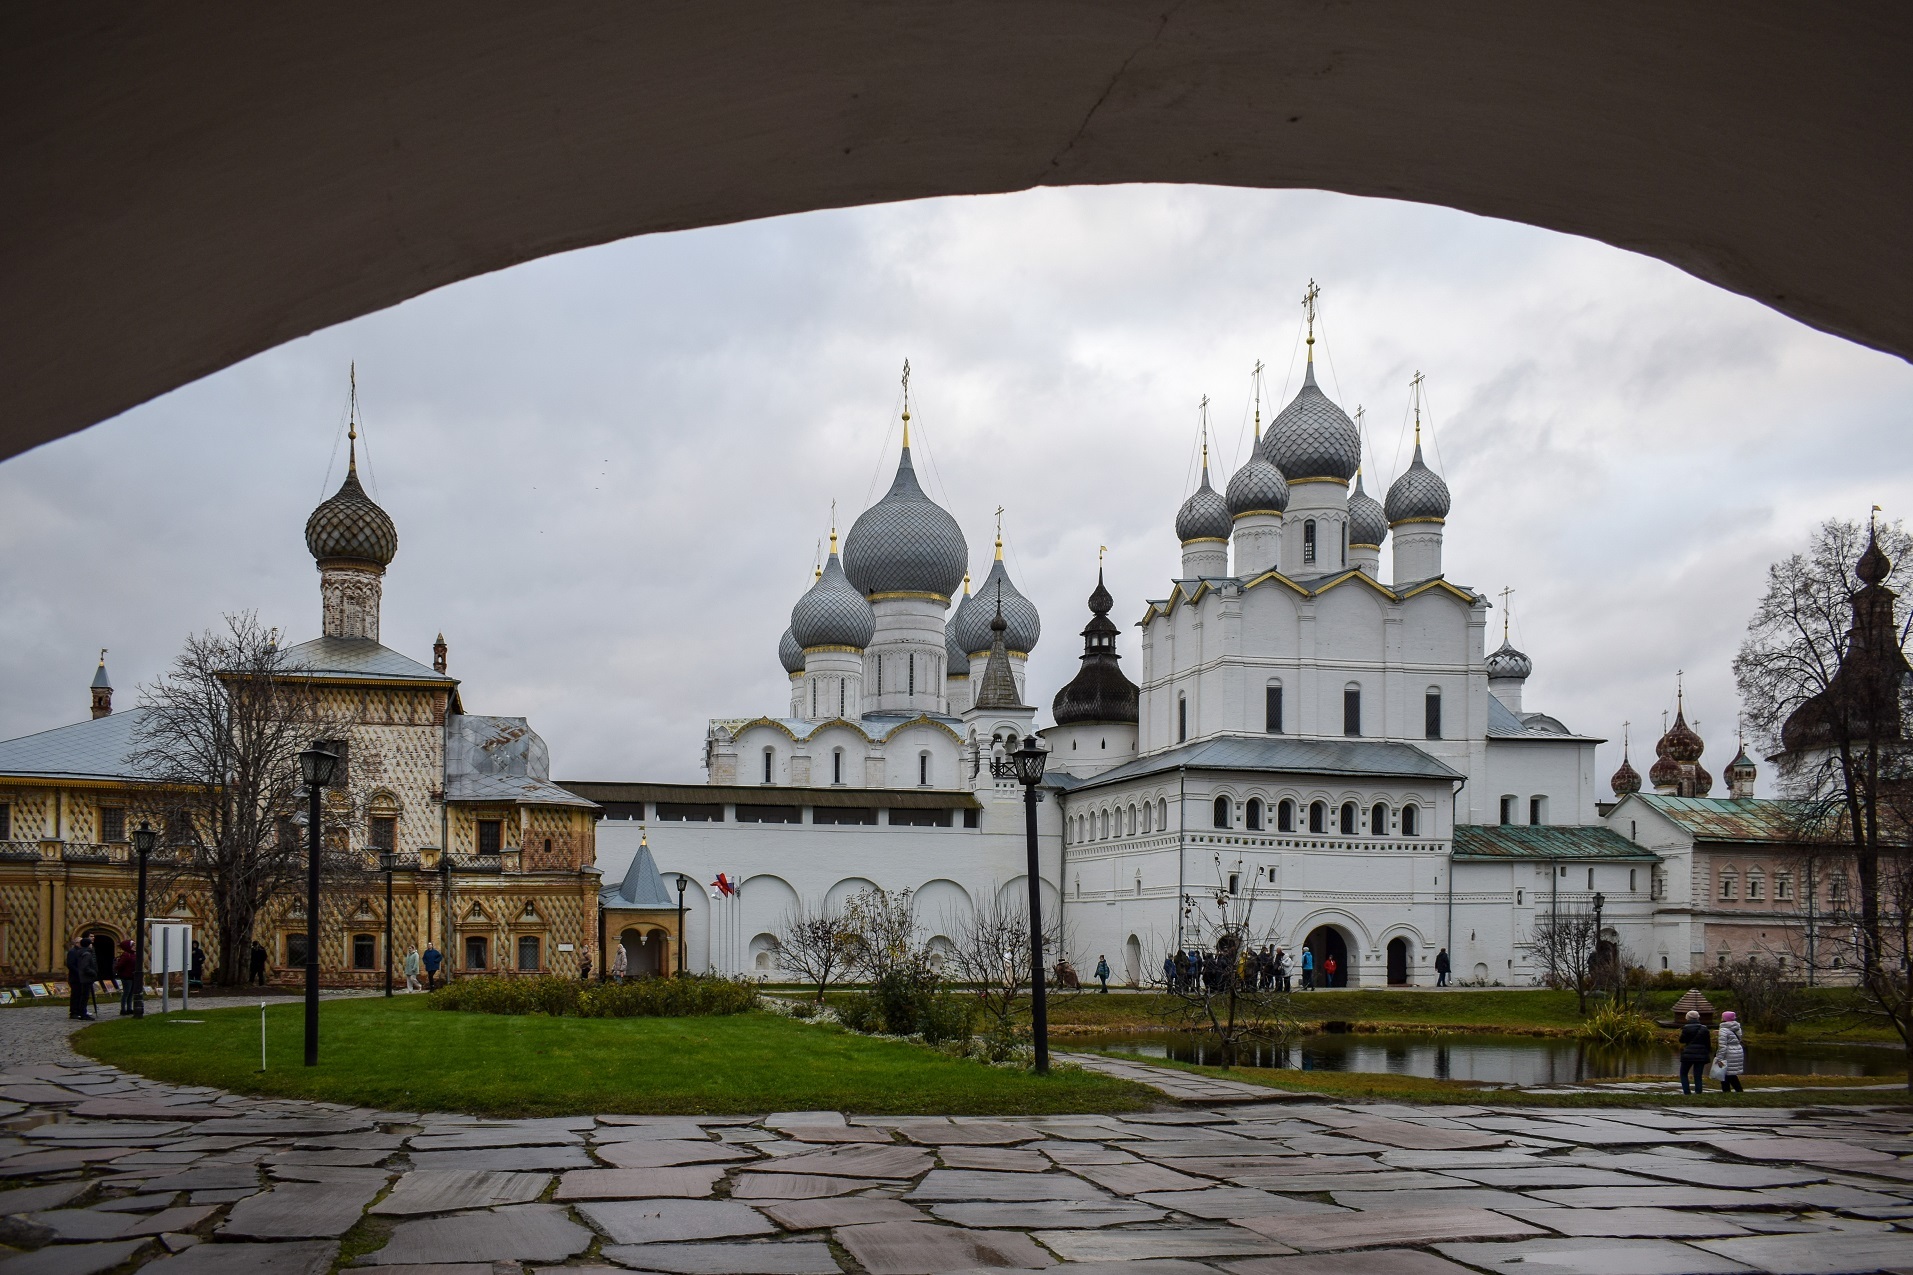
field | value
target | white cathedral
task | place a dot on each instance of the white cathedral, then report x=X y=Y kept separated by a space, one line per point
x=1307 y=723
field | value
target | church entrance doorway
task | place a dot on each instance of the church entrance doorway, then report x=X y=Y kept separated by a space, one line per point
x=1398 y=962
x=1327 y=944
x=642 y=953
x=103 y=953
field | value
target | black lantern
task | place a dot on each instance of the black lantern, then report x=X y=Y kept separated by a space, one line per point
x=1025 y=765
x=683 y=881
x=316 y=765
x=144 y=839
x=388 y=861
x=1028 y=762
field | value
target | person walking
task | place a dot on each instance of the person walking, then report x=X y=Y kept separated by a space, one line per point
x=197 y=974
x=411 y=969
x=1328 y=972
x=1102 y=973
x=258 y=958
x=621 y=966
x=81 y=970
x=432 y=961
x=1169 y=973
x=1441 y=968
x=1308 y=969
x=126 y=969
x=1731 y=1054
x=1696 y=1049
x=1281 y=970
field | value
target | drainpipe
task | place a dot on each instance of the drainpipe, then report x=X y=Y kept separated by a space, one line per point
x=1182 y=841
x=1454 y=805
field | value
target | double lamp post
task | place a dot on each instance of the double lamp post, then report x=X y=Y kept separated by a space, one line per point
x=1025 y=765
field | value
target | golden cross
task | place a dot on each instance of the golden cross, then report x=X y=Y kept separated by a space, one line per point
x=1255 y=379
x=1505 y=592
x=1414 y=389
x=1309 y=298
x=1100 y=551
x=833 y=514
x=352 y=413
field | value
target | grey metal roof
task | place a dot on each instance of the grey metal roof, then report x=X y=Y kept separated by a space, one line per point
x=1418 y=493
x=1489 y=842
x=332 y=657
x=1355 y=758
x=832 y=612
x=500 y=759
x=1205 y=515
x=1367 y=524
x=906 y=542
x=101 y=682
x=642 y=886
x=1312 y=437
x=971 y=624
x=1505 y=661
x=789 y=653
x=834 y=796
x=1503 y=724
x=1258 y=487
x=96 y=749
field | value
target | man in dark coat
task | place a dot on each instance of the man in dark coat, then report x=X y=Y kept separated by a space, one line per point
x=1697 y=1048
x=258 y=958
x=432 y=959
x=1441 y=968
x=81 y=970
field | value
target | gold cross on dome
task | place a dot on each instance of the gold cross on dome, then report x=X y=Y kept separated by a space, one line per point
x=1310 y=296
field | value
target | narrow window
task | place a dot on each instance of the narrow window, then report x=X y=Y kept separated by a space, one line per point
x=112 y=824
x=1147 y=811
x=295 y=949
x=365 y=952
x=1378 y=820
x=1590 y=878
x=385 y=833
x=1308 y=541
x=768 y=756
x=1139 y=885
x=1727 y=887
x=1756 y=888
x=813 y=697
x=1235 y=879
x=1507 y=810
x=1162 y=813
x=1411 y=821
x=1520 y=897
x=923 y=769
x=1631 y=872
x=841 y=694
x=1285 y=816
x=1318 y=816
x=1182 y=718
x=1272 y=710
x=1431 y=714
x=1223 y=813
x=1537 y=811
x=880 y=675
x=1132 y=821
x=1783 y=886
x=1348 y=819
x=490 y=841
x=527 y=952
x=1253 y=815
x=911 y=665
x=1352 y=710
x=474 y=952
x=837 y=766
x=6 y=822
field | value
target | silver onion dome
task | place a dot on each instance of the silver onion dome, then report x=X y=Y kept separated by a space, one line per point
x=956 y=660
x=1419 y=495
x=1312 y=437
x=1258 y=487
x=906 y=542
x=351 y=527
x=790 y=653
x=1205 y=515
x=1508 y=662
x=1367 y=524
x=972 y=626
x=832 y=612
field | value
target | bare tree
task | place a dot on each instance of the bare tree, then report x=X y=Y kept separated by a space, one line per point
x=1226 y=998
x=991 y=957
x=816 y=942
x=1565 y=943
x=219 y=738
x=884 y=923
x=1823 y=676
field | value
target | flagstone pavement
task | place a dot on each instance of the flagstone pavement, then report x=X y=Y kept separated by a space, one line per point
x=103 y=1172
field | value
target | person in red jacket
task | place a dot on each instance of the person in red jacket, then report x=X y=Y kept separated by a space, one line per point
x=1328 y=968
x=126 y=970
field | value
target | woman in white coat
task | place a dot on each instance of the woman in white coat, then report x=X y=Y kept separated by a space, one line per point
x=1731 y=1053
x=621 y=965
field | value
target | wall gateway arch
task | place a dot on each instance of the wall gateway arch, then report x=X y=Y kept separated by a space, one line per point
x=185 y=187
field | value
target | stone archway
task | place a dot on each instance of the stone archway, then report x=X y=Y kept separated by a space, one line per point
x=1326 y=943
x=1398 y=958
x=643 y=952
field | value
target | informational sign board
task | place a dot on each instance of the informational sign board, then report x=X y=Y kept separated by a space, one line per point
x=170 y=951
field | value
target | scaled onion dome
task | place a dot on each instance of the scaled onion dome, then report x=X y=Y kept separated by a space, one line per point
x=1099 y=692
x=1505 y=661
x=1367 y=524
x=1312 y=437
x=1205 y=515
x=1419 y=495
x=1258 y=488
x=1022 y=625
x=906 y=542
x=790 y=653
x=832 y=612
x=1626 y=779
x=957 y=659
x=351 y=527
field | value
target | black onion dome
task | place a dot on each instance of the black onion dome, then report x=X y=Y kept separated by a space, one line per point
x=971 y=626
x=1419 y=495
x=351 y=527
x=1258 y=487
x=1099 y=692
x=906 y=542
x=1205 y=515
x=790 y=653
x=1312 y=437
x=1367 y=524
x=832 y=612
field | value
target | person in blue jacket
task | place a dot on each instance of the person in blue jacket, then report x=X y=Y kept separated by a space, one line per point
x=1308 y=969
x=432 y=960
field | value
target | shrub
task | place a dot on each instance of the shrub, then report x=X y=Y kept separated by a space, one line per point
x=1617 y=1025
x=945 y=1017
x=1763 y=994
x=860 y=1012
x=682 y=997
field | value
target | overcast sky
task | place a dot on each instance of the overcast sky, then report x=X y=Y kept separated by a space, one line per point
x=610 y=469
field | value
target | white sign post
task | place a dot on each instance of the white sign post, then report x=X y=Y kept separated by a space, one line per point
x=172 y=943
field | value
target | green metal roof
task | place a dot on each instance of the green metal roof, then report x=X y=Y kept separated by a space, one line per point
x=1545 y=843
x=1727 y=818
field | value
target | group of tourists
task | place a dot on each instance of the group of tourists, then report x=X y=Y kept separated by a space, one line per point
x=1269 y=969
x=1701 y=1058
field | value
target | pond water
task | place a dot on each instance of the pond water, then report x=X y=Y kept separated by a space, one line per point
x=1517 y=1060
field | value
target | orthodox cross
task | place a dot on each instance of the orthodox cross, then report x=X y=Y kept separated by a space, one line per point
x=1414 y=389
x=906 y=402
x=1203 y=408
x=1505 y=594
x=1100 y=551
x=1309 y=297
x=1255 y=379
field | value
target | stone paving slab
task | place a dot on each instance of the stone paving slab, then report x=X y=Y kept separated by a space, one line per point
x=968 y=1184
x=449 y=1190
x=299 y=1257
x=1182 y=1086
x=1226 y=1203
x=1384 y=1261
x=994 y=1159
x=33 y=1199
x=653 y=1221
x=793 y=1186
x=811 y=1215
x=1134 y=1179
x=1133 y=1243
x=1828 y=1253
x=512 y=1159
x=771 y=1257
x=80 y=1259
x=1316 y=1232
x=922 y=1248
x=1644 y=1223
x=854 y=1161
x=1031 y=1214
x=298 y=1211
x=521 y=1232
x=1593 y=1257
x=690 y=1182
x=659 y=1153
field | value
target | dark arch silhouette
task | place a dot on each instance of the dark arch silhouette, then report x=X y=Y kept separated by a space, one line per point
x=188 y=185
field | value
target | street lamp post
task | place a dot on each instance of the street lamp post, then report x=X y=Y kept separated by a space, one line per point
x=1600 y=901
x=388 y=861
x=1025 y=765
x=316 y=765
x=682 y=882
x=445 y=872
x=143 y=841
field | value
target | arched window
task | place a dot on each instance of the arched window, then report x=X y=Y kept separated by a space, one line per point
x=1378 y=820
x=1352 y=709
x=1182 y=718
x=1253 y=815
x=1272 y=708
x=1162 y=813
x=1537 y=810
x=1147 y=811
x=837 y=766
x=923 y=770
x=1431 y=713
x=1308 y=541
x=1349 y=818
x=1729 y=885
x=1756 y=886
x=1104 y=823
x=1507 y=809
x=770 y=756
x=1318 y=816
x=1411 y=821
x=1224 y=815
x=1285 y=816
x=1132 y=820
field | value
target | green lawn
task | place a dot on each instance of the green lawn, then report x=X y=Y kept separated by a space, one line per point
x=400 y=1056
